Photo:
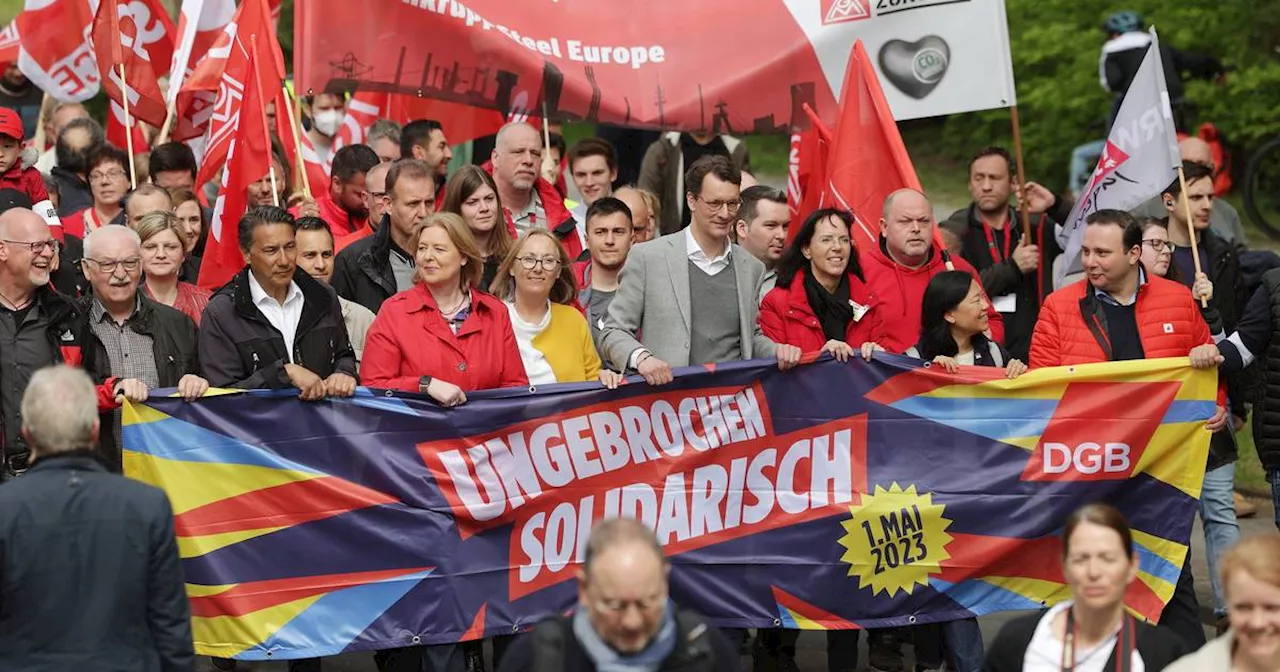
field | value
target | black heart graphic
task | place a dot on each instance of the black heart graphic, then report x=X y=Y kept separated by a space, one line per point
x=915 y=68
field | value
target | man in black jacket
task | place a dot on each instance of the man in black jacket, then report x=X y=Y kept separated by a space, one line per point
x=1016 y=273
x=90 y=577
x=373 y=269
x=273 y=326
x=624 y=619
x=141 y=344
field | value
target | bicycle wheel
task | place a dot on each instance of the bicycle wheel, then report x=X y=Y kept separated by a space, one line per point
x=1262 y=188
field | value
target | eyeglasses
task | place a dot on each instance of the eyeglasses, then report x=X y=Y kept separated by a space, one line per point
x=1158 y=245
x=530 y=263
x=716 y=205
x=116 y=174
x=36 y=247
x=108 y=267
x=643 y=604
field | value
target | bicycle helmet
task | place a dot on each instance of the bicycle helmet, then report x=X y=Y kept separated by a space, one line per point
x=1123 y=22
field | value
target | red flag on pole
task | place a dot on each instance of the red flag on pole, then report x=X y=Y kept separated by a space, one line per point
x=868 y=160
x=54 y=52
x=116 y=129
x=247 y=161
x=227 y=67
x=200 y=24
x=137 y=34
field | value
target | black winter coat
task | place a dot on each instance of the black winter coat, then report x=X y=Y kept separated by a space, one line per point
x=362 y=271
x=90 y=577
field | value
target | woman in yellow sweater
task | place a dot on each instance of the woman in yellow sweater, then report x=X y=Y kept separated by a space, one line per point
x=536 y=282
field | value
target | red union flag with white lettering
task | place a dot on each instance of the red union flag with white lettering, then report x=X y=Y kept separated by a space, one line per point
x=55 y=52
x=660 y=67
x=1139 y=158
x=136 y=35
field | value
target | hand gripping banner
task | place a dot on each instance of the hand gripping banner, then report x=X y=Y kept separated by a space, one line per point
x=833 y=496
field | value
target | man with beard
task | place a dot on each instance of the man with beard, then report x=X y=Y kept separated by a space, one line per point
x=74 y=144
x=761 y=228
x=528 y=199
x=343 y=206
x=424 y=140
x=19 y=94
x=37 y=326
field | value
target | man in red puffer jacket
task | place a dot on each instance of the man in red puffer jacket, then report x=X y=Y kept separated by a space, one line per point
x=898 y=271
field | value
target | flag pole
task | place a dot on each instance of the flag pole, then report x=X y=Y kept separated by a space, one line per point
x=38 y=140
x=167 y=128
x=128 y=125
x=297 y=138
x=262 y=111
x=1023 y=208
x=546 y=128
x=1191 y=229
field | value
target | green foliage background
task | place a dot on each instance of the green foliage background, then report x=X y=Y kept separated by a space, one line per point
x=1056 y=44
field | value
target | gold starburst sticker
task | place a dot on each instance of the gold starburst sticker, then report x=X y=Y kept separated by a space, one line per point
x=895 y=539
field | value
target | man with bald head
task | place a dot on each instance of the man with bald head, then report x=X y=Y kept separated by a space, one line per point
x=899 y=268
x=63 y=114
x=529 y=200
x=625 y=619
x=134 y=342
x=147 y=198
x=1224 y=220
x=641 y=215
x=37 y=325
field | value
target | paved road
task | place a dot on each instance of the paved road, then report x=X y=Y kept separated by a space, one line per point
x=812 y=655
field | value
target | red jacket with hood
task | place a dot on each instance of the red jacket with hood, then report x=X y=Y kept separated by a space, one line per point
x=786 y=317
x=559 y=221
x=898 y=294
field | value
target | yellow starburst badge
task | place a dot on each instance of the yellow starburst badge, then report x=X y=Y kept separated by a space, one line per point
x=895 y=539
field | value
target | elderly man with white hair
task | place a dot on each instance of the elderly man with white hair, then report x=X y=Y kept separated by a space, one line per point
x=134 y=341
x=90 y=577
x=528 y=200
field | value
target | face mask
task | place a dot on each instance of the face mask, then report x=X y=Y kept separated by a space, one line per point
x=328 y=121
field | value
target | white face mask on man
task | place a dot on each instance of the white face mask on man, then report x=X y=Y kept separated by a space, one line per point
x=327 y=122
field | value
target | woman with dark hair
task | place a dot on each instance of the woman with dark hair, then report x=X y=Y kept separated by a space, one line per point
x=108 y=171
x=1091 y=629
x=953 y=322
x=472 y=193
x=191 y=215
x=820 y=302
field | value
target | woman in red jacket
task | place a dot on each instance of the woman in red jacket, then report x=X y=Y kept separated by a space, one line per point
x=444 y=336
x=820 y=301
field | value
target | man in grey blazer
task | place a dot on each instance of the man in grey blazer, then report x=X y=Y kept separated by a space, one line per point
x=692 y=297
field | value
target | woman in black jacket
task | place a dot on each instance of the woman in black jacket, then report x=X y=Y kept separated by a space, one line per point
x=1098 y=562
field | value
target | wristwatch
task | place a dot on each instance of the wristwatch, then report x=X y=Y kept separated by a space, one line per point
x=423 y=383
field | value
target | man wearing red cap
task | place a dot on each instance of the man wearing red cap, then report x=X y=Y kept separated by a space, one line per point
x=14 y=175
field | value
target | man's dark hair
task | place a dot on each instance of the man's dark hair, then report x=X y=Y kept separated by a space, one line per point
x=593 y=147
x=107 y=154
x=353 y=160
x=63 y=153
x=1127 y=223
x=173 y=156
x=557 y=142
x=603 y=207
x=416 y=132
x=407 y=169
x=313 y=224
x=751 y=197
x=261 y=216
x=713 y=164
x=1193 y=171
x=993 y=150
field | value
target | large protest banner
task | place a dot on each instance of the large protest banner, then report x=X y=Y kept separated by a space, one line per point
x=833 y=496
x=717 y=65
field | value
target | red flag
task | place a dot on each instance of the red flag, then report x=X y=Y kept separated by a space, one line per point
x=9 y=43
x=227 y=65
x=135 y=34
x=317 y=166
x=54 y=50
x=364 y=108
x=200 y=24
x=247 y=160
x=868 y=159
x=116 y=129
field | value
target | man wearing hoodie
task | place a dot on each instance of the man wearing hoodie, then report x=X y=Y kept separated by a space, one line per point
x=899 y=269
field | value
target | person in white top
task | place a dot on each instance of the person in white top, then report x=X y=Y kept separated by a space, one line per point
x=536 y=283
x=1091 y=630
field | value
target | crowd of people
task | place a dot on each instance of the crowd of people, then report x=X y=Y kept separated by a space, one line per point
x=405 y=275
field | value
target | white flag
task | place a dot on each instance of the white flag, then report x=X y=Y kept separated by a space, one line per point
x=1139 y=160
x=199 y=25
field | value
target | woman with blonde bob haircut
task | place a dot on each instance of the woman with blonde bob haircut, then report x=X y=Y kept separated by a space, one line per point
x=536 y=282
x=1250 y=574
x=164 y=250
x=444 y=336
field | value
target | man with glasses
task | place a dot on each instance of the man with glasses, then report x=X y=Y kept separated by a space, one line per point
x=138 y=343
x=624 y=619
x=37 y=326
x=694 y=295
x=529 y=200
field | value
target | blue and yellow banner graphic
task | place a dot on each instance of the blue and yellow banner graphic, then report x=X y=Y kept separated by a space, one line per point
x=833 y=496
